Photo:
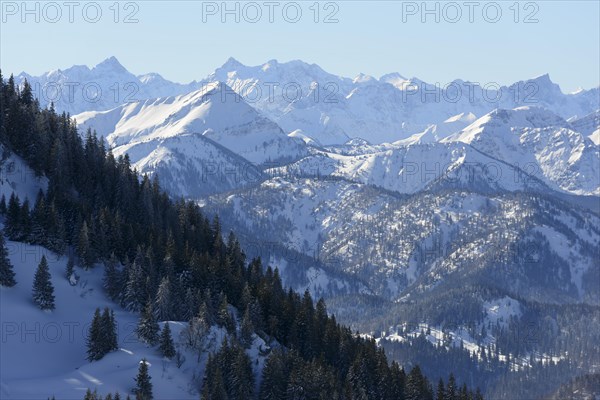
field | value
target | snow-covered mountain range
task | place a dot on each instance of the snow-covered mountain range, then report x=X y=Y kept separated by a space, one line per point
x=391 y=188
x=325 y=107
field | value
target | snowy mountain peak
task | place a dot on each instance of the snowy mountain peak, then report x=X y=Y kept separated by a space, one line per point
x=151 y=77
x=232 y=63
x=538 y=89
x=528 y=116
x=462 y=117
x=396 y=80
x=110 y=64
x=541 y=141
x=270 y=64
x=392 y=76
x=363 y=78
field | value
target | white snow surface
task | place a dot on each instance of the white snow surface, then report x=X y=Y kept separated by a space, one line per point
x=214 y=111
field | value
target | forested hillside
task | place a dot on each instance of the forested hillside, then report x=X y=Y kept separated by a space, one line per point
x=163 y=257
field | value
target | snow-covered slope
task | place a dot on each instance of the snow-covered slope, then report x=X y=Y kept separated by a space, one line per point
x=43 y=353
x=415 y=168
x=190 y=165
x=16 y=177
x=588 y=125
x=437 y=132
x=412 y=244
x=540 y=143
x=214 y=112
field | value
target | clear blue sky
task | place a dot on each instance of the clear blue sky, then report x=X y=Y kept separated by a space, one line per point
x=375 y=38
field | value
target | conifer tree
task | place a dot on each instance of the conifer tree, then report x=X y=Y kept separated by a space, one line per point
x=13 y=218
x=167 y=347
x=83 y=247
x=143 y=390
x=224 y=317
x=70 y=268
x=275 y=376
x=70 y=271
x=95 y=347
x=102 y=335
x=25 y=220
x=109 y=331
x=112 y=281
x=43 y=291
x=451 y=389
x=135 y=293
x=441 y=391
x=147 y=329
x=3 y=205
x=214 y=385
x=164 y=304
x=7 y=275
x=247 y=329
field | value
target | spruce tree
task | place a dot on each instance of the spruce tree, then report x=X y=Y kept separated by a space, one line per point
x=441 y=391
x=43 y=291
x=275 y=376
x=7 y=275
x=25 y=221
x=83 y=247
x=143 y=390
x=135 y=292
x=70 y=268
x=247 y=329
x=13 y=218
x=147 y=329
x=167 y=347
x=164 y=303
x=112 y=282
x=102 y=336
x=95 y=347
x=214 y=385
x=109 y=331
x=3 y=205
x=451 y=389
x=224 y=317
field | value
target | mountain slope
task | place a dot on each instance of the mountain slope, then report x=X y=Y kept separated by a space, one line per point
x=214 y=112
x=541 y=144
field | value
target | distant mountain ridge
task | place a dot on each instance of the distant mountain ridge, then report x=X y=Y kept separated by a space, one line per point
x=327 y=108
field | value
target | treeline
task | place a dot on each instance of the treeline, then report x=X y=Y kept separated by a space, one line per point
x=168 y=255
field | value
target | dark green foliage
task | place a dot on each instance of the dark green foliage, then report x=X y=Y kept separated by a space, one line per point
x=84 y=248
x=247 y=329
x=102 y=336
x=224 y=318
x=43 y=291
x=13 y=218
x=147 y=329
x=7 y=275
x=167 y=347
x=94 y=341
x=70 y=268
x=89 y=395
x=143 y=390
x=276 y=375
x=3 y=205
x=229 y=374
x=113 y=279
